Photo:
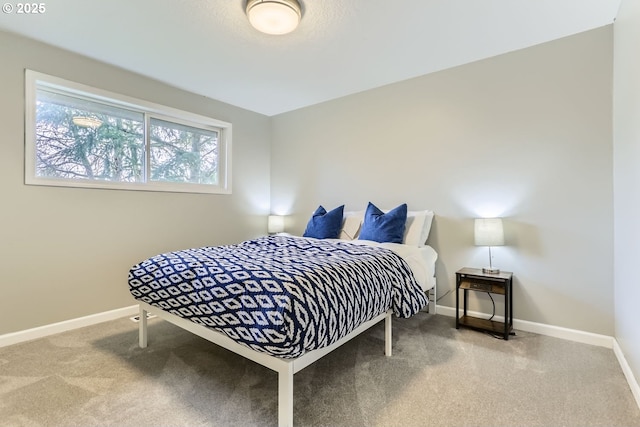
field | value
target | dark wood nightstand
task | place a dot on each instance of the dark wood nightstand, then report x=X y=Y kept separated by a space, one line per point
x=473 y=279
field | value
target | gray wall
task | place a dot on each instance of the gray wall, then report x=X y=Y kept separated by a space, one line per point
x=627 y=180
x=65 y=252
x=525 y=135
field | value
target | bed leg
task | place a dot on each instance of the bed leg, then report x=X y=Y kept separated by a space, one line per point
x=142 y=328
x=432 y=301
x=285 y=396
x=387 y=335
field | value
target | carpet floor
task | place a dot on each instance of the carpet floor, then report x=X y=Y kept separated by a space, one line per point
x=438 y=376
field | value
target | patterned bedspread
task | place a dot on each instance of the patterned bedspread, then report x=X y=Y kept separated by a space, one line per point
x=278 y=294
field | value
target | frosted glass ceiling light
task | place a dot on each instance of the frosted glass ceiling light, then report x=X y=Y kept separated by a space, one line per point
x=274 y=16
x=87 y=122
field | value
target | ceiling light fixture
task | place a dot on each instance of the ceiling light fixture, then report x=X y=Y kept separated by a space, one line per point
x=274 y=16
x=87 y=122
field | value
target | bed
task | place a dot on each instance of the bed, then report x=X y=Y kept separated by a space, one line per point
x=284 y=301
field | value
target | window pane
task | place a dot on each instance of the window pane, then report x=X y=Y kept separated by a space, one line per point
x=80 y=139
x=183 y=153
x=80 y=136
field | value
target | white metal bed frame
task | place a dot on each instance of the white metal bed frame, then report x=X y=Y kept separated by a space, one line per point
x=284 y=367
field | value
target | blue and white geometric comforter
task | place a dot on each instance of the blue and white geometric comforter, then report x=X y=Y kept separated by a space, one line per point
x=278 y=294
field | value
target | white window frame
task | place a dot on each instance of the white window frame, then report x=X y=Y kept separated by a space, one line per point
x=34 y=79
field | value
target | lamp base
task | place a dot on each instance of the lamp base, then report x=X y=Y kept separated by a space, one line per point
x=490 y=270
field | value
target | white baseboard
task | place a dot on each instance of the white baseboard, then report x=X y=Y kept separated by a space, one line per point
x=626 y=369
x=523 y=325
x=542 y=329
x=67 y=325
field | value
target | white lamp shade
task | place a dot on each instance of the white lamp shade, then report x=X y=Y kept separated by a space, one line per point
x=489 y=232
x=275 y=224
x=274 y=16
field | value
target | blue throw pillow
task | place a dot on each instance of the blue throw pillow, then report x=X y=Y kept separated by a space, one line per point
x=325 y=225
x=384 y=227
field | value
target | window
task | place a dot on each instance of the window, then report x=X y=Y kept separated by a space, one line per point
x=84 y=137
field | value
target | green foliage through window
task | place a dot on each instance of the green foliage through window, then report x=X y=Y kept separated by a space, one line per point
x=86 y=140
x=183 y=154
x=76 y=137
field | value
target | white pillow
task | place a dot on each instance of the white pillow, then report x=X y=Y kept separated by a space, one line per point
x=417 y=229
x=351 y=225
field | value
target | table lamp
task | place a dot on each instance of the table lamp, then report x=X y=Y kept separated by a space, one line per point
x=275 y=224
x=489 y=232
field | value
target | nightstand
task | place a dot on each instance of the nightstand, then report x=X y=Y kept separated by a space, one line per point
x=473 y=279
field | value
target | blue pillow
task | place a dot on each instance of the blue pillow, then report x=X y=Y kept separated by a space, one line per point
x=384 y=227
x=325 y=225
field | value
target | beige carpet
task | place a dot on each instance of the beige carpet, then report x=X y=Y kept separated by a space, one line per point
x=438 y=376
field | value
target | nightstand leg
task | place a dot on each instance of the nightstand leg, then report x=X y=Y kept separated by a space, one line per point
x=465 y=302
x=507 y=311
x=457 y=310
x=457 y=303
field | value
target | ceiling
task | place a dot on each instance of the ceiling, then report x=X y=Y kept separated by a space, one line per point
x=341 y=46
